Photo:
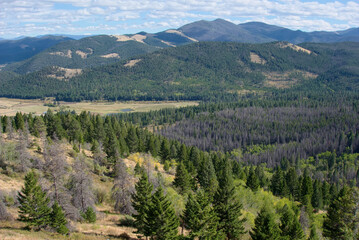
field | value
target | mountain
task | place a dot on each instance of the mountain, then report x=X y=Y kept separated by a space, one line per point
x=221 y=30
x=18 y=50
x=99 y=50
x=76 y=37
x=257 y=32
x=111 y=48
x=199 y=71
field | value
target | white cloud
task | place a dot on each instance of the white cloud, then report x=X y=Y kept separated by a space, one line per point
x=34 y=16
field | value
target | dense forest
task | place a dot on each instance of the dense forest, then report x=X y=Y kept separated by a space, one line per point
x=236 y=194
x=202 y=71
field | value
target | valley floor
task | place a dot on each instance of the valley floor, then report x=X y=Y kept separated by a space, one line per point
x=9 y=106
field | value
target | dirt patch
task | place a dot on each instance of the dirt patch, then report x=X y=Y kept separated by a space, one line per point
x=111 y=55
x=294 y=47
x=84 y=55
x=136 y=37
x=67 y=54
x=132 y=63
x=8 y=184
x=65 y=73
x=255 y=58
x=168 y=43
x=181 y=34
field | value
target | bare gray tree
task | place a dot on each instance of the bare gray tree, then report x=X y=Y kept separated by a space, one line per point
x=122 y=189
x=9 y=129
x=81 y=186
x=23 y=162
x=56 y=174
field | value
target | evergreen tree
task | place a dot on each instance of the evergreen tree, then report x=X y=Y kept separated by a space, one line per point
x=58 y=220
x=132 y=140
x=326 y=193
x=112 y=146
x=200 y=218
x=165 y=150
x=252 y=180
x=162 y=222
x=307 y=187
x=278 y=184
x=141 y=202
x=341 y=220
x=226 y=205
x=290 y=226
x=39 y=127
x=182 y=155
x=265 y=226
x=293 y=183
x=182 y=179
x=89 y=215
x=34 y=209
x=194 y=157
x=317 y=197
x=259 y=172
x=151 y=148
x=19 y=121
x=207 y=177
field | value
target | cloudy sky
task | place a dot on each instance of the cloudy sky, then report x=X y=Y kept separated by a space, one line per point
x=38 y=17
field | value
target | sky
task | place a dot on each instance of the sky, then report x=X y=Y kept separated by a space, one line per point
x=92 y=17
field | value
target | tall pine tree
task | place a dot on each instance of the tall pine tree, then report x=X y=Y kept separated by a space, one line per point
x=34 y=209
x=265 y=226
x=161 y=222
x=141 y=202
x=200 y=218
x=227 y=207
x=290 y=226
x=342 y=217
x=58 y=220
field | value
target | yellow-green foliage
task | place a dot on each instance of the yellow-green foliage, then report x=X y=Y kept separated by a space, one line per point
x=254 y=201
x=177 y=200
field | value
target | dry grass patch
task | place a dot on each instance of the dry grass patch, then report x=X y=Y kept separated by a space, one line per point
x=132 y=63
x=9 y=106
x=65 y=73
x=294 y=47
x=111 y=55
x=84 y=55
x=67 y=54
x=255 y=58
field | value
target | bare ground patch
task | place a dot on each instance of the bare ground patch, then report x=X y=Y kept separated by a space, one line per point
x=255 y=58
x=132 y=63
x=67 y=54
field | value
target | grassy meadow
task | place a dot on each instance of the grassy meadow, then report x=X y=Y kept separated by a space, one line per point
x=9 y=106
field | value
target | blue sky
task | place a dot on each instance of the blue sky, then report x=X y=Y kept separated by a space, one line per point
x=39 y=17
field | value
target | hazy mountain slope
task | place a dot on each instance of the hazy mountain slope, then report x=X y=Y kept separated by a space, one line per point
x=257 y=32
x=220 y=30
x=17 y=50
x=85 y=53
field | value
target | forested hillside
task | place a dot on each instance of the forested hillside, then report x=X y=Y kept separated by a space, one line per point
x=80 y=168
x=201 y=71
x=85 y=53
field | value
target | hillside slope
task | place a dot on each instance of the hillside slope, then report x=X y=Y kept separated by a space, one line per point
x=200 y=71
x=18 y=50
